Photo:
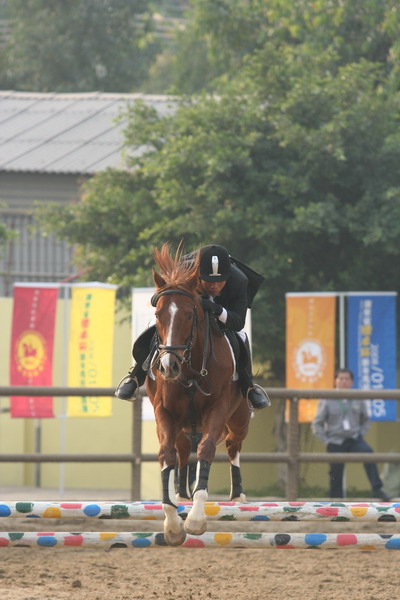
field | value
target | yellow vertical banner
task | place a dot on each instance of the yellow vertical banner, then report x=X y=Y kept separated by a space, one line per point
x=310 y=346
x=90 y=346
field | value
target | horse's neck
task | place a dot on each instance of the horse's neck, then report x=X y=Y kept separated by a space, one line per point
x=206 y=341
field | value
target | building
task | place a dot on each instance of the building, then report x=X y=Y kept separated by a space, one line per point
x=49 y=145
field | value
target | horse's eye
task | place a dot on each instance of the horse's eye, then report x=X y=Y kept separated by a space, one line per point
x=156 y=315
x=190 y=316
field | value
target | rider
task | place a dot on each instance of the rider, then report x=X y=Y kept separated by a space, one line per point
x=227 y=292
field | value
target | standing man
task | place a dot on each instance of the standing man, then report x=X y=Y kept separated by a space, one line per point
x=341 y=425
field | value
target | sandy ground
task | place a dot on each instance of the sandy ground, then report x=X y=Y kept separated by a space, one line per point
x=193 y=574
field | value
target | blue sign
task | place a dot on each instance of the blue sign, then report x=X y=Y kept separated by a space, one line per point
x=371 y=348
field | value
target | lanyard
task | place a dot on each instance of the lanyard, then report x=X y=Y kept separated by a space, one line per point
x=345 y=406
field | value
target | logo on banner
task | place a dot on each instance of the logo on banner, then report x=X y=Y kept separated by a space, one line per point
x=30 y=353
x=309 y=360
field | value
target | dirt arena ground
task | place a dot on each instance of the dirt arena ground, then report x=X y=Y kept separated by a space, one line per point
x=194 y=574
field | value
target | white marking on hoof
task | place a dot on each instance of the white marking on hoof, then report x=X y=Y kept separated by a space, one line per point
x=242 y=498
x=174 y=533
x=196 y=521
x=181 y=500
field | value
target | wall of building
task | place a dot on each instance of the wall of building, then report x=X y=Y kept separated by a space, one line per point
x=29 y=255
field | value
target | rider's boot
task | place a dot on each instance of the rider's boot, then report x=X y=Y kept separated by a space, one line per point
x=136 y=377
x=128 y=386
x=257 y=397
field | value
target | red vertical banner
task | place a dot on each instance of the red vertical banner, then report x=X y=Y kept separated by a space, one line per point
x=32 y=341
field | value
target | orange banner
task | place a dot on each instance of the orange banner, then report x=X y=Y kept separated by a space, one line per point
x=310 y=346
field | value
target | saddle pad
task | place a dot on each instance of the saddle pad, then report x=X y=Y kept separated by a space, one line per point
x=235 y=375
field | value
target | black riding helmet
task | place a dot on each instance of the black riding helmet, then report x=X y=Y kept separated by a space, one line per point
x=215 y=264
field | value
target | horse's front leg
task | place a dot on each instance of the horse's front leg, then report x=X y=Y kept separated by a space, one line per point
x=196 y=521
x=174 y=533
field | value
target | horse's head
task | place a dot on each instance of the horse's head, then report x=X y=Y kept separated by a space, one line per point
x=177 y=310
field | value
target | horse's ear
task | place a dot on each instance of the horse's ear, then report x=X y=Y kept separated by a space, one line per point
x=158 y=279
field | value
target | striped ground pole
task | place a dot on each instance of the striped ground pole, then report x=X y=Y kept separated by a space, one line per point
x=106 y=540
x=215 y=511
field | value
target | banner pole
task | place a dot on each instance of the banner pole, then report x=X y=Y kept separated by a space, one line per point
x=63 y=415
x=38 y=449
x=342 y=338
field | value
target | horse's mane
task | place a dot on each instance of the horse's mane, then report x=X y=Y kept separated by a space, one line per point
x=177 y=270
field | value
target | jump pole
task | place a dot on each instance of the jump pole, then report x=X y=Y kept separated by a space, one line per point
x=215 y=511
x=109 y=540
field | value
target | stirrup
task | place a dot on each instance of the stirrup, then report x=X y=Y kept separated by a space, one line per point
x=251 y=407
x=129 y=377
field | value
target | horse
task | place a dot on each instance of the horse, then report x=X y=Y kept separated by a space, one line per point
x=192 y=388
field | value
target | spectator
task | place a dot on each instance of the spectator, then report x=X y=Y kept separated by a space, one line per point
x=341 y=425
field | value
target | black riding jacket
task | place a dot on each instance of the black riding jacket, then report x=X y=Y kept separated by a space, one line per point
x=234 y=299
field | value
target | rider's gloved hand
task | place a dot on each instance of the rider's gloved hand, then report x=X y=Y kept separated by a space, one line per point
x=211 y=307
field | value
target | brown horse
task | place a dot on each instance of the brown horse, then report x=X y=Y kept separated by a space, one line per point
x=192 y=389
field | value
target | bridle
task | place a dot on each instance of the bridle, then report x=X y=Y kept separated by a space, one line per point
x=186 y=356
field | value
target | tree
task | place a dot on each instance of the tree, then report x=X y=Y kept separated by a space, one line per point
x=226 y=32
x=293 y=167
x=5 y=234
x=83 y=45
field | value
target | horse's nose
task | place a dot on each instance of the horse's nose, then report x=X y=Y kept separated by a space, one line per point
x=170 y=367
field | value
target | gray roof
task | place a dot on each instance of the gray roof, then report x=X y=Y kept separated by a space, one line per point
x=65 y=133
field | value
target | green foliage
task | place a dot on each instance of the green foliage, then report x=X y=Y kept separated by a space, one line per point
x=5 y=234
x=228 y=31
x=79 y=46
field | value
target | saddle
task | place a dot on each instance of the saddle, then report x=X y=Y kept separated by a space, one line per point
x=233 y=339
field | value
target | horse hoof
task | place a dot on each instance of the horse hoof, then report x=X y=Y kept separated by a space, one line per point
x=195 y=527
x=175 y=539
x=242 y=499
x=182 y=500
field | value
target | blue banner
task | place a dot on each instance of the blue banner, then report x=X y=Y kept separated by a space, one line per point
x=371 y=348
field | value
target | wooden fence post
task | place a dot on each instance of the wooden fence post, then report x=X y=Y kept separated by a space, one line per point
x=293 y=451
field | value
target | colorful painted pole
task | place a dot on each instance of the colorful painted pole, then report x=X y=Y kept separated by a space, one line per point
x=215 y=511
x=106 y=540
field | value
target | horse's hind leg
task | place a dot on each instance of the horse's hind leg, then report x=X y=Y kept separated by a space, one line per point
x=183 y=446
x=233 y=445
x=237 y=493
